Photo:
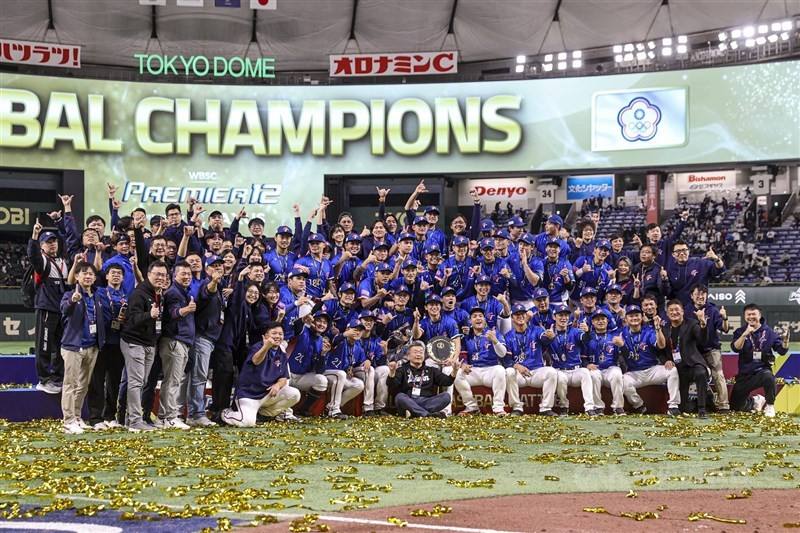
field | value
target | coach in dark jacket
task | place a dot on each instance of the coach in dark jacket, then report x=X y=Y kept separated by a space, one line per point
x=685 y=338
x=417 y=384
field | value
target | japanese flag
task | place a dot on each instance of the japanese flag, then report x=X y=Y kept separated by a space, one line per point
x=152 y=2
x=189 y=3
x=263 y=4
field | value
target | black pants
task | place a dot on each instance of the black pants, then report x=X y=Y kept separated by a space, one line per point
x=149 y=389
x=221 y=380
x=697 y=374
x=747 y=383
x=104 y=386
x=49 y=364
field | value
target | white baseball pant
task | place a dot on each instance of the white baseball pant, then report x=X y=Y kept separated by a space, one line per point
x=579 y=377
x=306 y=382
x=342 y=389
x=376 y=391
x=249 y=408
x=545 y=378
x=610 y=377
x=655 y=375
x=488 y=376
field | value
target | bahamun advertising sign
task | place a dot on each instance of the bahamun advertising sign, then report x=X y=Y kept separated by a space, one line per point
x=268 y=147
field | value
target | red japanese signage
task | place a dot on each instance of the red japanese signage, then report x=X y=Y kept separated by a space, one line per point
x=45 y=54
x=394 y=64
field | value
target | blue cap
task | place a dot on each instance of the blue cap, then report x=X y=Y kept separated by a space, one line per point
x=588 y=291
x=614 y=287
x=478 y=308
x=555 y=219
x=487 y=243
x=297 y=272
x=284 y=230
x=420 y=220
x=405 y=236
x=347 y=287
x=561 y=308
x=448 y=290
x=213 y=259
x=460 y=240
x=516 y=222
x=47 y=235
x=381 y=245
x=552 y=242
x=603 y=244
x=433 y=298
x=518 y=308
x=502 y=234
x=353 y=237
x=409 y=263
x=383 y=267
x=538 y=294
x=483 y=278
x=599 y=312
x=431 y=209
x=322 y=314
x=432 y=249
x=355 y=323
x=632 y=309
x=316 y=237
x=366 y=313
x=487 y=225
x=528 y=239
x=402 y=288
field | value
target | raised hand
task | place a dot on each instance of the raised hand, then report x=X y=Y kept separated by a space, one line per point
x=701 y=316
x=244 y=272
x=188 y=231
x=416 y=315
x=191 y=307
x=637 y=241
x=550 y=332
x=37 y=229
x=664 y=274
x=473 y=193
x=382 y=194
x=491 y=335
x=226 y=292
x=618 y=341
x=241 y=214
x=424 y=285
x=723 y=313
x=420 y=187
x=505 y=272
x=111 y=189
x=154 y=311
x=636 y=281
x=564 y=273
x=66 y=199
x=296 y=210
x=583 y=326
x=76 y=296
x=657 y=322
x=710 y=254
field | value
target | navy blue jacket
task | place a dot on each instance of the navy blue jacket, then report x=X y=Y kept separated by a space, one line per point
x=180 y=328
x=74 y=317
x=714 y=324
x=765 y=340
x=209 y=316
x=684 y=278
x=51 y=289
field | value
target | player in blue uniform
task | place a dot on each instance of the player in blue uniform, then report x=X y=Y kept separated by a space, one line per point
x=307 y=361
x=346 y=354
x=373 y=370
x=485 y=352
x=558 y=277
x=603 y=351
x=565 y=352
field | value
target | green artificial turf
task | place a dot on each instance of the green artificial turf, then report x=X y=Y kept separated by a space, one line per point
x=328 y=465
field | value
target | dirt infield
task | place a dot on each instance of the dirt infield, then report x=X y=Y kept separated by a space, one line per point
x=764 y=510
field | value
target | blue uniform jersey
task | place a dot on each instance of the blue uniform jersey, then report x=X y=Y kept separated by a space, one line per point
x=556 y=284
x=279 y=265
x=641 y=346
x=459 y=273
x=347 y=270
x=340 y=315
x=373 y=350
x=597 y=278
x=525 y=348
x=543 y=319
x=256 y=379
x=565 y=349
x=492 y=308
x=458 y=315
x=481 y=351
x=307 y=355
x=400 y=318
x=128 y=277
x=541 y=246
x=519 y=287
x=112 y=302
x=443 y=327
x=320 y=272
x=344 y=355
x=492 y=270
x=601 y=351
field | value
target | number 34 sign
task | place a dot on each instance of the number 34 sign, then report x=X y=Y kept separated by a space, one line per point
x=546 y=193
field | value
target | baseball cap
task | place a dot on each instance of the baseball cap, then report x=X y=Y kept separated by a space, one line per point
x=528 y=239
x=552 y=242
x=316 y=237
x=614 y=287
x=346 y=287
x=409 y=263
x=297 y=272
x=598 y=313
x=603 y=244
x=255 y=220
x=366 y=313
x=518 y=308
x=538 y=294
x=561 y=308
x=483 y=278
x=47 y=235
x=420 y=220
x=213 y=259
x=475 y=308
x=405 y=236
x=633 y=309
x=588 y=291
x=487 y=225
x=502 y=234
x=383 y=267
x=487 y=243
x=353 y=237
x=431 y=209
x=284 y=230
x=432 y=249
x=555 y=219
x=122 y=237
x=433 y=298
x=322 y=314
x=215 y=213
x=448 y=290
x=355 y=324
x=516 y=222
x=460 y=240
x=381 y=245
x=402 y=288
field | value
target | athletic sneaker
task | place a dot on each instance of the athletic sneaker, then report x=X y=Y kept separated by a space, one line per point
x=139 y=427
x=42 y=387
x=641 y=410
x=286 y=417
x=592 y=412
x=112 y=424
x=202 y=422
x=769 y=410
x=100 y=426
x=157 y=423
x=175 y=423
x=517 y=412
x=339 y=416
x=673 y=411
x=619 y=411
x=73 y=429
x=53 y=388
x=370 y=412
x=549 y=412
x=82 y=424
x=437 y=414
x=468 y=412
x=758 y=403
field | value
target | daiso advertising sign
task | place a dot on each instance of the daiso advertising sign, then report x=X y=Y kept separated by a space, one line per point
x=491 y=191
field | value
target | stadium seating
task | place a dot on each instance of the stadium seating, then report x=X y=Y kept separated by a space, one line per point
x=616 y=221
x=787 y=241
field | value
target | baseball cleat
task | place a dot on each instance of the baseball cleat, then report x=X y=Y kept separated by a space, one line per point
x=619 y=411
x=437 y=414
x=769 y=410
x=549 y=412
x=517 y=412
x=641 y=410
x=468 y=412
x=673 y=411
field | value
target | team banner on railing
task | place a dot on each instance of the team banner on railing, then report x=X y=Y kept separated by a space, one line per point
x=269 y=147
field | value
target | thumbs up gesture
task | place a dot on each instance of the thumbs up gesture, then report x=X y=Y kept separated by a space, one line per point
x=76 y=296
x=191 y=307
x=491 y=335
x=723 y=313
x=701 y=316
x=618 y=341
x=154 y=311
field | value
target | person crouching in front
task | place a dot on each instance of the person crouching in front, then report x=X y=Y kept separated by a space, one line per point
x=416 y=384
x=263 y=387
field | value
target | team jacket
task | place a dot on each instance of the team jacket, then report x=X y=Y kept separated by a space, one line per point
x=140 y=327
x=112 y=300
x=255 y=380
x=427 y=378
x=180 y=328
x=765 y=340
x=77 y=316
x=307 y=356
x=683 y=278
x=49 y=288
x=210 y=315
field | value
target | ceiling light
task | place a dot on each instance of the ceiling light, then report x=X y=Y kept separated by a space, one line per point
x=562 y=65
x=651 y=54
x=641 y=56
x=722 y=47
x=734 y=45
x=666 y=41
x=761 y=40
x=519 y=68
x=749 y=43
x=520 y=59
x=784 y=36
x=548 y=58
x=628 y=57
x=617 y=48
x=682 y=39
x=562 y=56
x=651 y=44
x=577 y=63
x=547 y=67
x=666 y=51
x=618 y=58
x=776 y=26
x=722 y=36
x=748 y=31
x=763 y=28
x=681 y=49
x=772 y=38
x=628 y=47
x=639 y=46
x=786 y=25
x=735 y=34
x=577 y=54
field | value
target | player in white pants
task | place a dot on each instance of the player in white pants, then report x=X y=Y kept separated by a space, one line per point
x=603 y=351
x=263 y=382
x=644 y=369
x=565 y=351
x=307 y=361
x=484 y=353
x=524 y=344
x=346 y=354
x=374 y=375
